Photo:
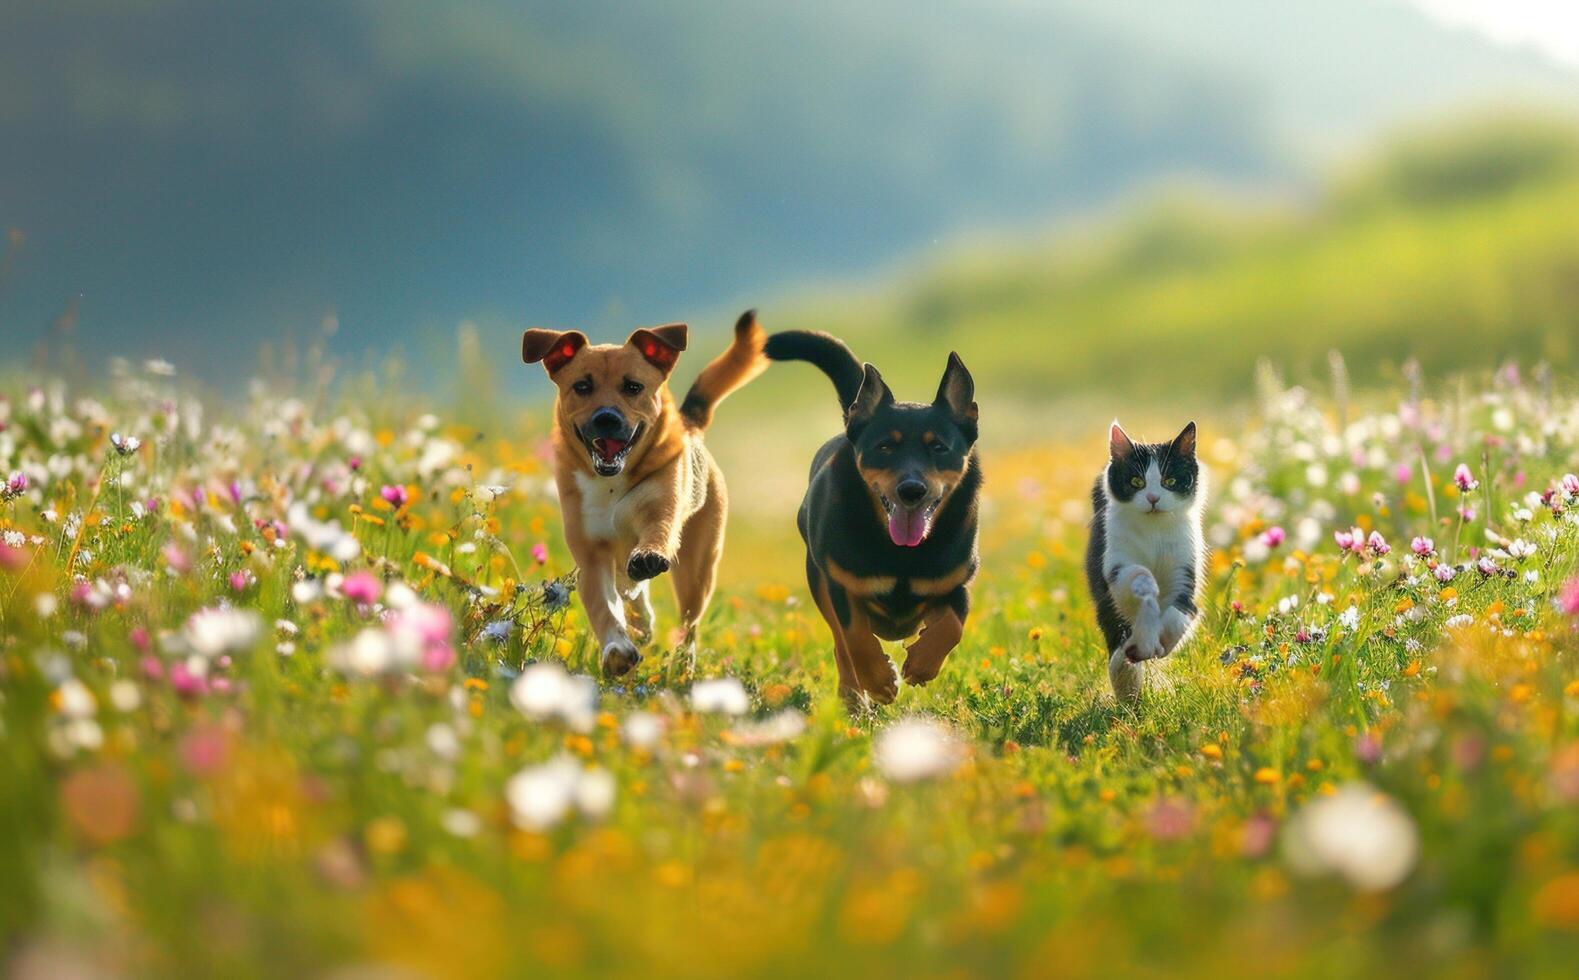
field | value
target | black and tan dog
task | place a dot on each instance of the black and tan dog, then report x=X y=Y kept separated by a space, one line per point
x=639 y=491
x=889 y=519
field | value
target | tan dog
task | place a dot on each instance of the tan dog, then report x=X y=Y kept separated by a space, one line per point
x=640 y=493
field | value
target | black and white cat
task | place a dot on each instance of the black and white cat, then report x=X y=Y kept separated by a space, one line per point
x=1147 y=553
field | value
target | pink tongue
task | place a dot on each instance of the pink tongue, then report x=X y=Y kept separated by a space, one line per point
x=907 y=528
x=608 y=448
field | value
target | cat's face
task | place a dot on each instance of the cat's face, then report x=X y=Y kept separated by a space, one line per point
x=1152 y=478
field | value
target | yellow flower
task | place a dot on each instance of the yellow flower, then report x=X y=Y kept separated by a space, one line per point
x=1267 y=776
x=386 y=835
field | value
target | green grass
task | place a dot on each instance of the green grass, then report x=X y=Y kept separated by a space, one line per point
x=298 y=815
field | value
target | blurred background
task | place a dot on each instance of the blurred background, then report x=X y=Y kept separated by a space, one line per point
x=1121 y=201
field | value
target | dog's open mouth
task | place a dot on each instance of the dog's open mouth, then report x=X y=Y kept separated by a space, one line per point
x=608 y=454
x=909 y=526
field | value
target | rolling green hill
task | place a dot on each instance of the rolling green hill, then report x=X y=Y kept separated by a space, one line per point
x=1456 y=246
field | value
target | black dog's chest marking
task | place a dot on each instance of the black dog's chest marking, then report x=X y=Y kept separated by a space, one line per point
x=897 y=604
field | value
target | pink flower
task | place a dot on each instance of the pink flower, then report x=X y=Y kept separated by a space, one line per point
x=429 y=622
x=438 y=658
x=1351 y=540
x=1274 y=536
x=1464 y=478
x=1368 y=748
x=362 y=588
x=1486 y=567
x=1467 y=513
x=1378 y=544
x=1568 y=598
x=241 y=580
x=15 y=485
x=1404 y=473
x=1422 y=546
x=153 y=668
x=1571 y=485
x=426 y=626
x=205 y=750
x=186 y=683
x=1445 y=573
x=540 y=552
x=395 y=494
x=177 y=559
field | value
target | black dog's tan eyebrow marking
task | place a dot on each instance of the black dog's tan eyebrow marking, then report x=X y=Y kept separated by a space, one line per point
x=861 y=585
x=929 y=437
x=896 y=436
x=942 y=584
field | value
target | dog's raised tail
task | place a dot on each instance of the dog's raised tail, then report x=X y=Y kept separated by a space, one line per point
x=826 y=352
x=728 y=371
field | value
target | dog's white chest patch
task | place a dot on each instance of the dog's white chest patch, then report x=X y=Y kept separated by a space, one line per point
x=600 y=497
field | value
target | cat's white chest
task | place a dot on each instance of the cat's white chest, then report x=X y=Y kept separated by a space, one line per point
x=600 y=504
x=1168 y=548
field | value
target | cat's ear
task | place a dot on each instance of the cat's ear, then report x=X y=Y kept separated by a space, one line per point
x=1184 y=445
x=873 y=395
x=1119 y=444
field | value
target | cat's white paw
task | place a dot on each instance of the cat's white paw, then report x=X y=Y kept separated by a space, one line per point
x=1145 y=643
x=1144 y=585
x=1175 y=626
x=1127 y=677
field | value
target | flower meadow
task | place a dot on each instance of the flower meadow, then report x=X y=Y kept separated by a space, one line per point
x=293 y=686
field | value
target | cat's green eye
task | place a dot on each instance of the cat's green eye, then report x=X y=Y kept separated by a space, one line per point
x=1137 y=482
x=1169 y=482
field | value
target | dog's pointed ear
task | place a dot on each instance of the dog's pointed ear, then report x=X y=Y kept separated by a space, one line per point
x=660 y=346
x=871 y=396
x=957 y=393
x=1184 y=443
x=1119 y=444
x=552 y=347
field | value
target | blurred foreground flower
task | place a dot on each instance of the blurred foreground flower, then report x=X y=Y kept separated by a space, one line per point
x=222 y=630
x=913 y=749
x=542 y=796
x=545 y=692
x=1360 y=833
x=1568 y=598
x=723 y=695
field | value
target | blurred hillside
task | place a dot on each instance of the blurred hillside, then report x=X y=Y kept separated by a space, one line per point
x=1456 y=246
x=194 y=180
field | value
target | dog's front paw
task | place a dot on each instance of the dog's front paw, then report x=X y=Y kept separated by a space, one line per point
x=644 y=565
x=619 y=656
x=879 y=679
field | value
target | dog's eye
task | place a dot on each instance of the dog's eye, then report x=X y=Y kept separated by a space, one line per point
x=939 y=448
x=1137 y=482
x=1170 y=483
x=885 y=446
x=633 y=387
x=582 y=387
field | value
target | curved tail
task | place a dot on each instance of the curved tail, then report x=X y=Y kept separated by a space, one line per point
x=728 y=371
x=824 y=351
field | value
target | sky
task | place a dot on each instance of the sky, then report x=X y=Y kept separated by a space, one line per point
x=1550 y=27
x=197 y=181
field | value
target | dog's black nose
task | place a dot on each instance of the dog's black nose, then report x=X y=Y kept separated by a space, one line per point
x=911 y=492
x=608 y=421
